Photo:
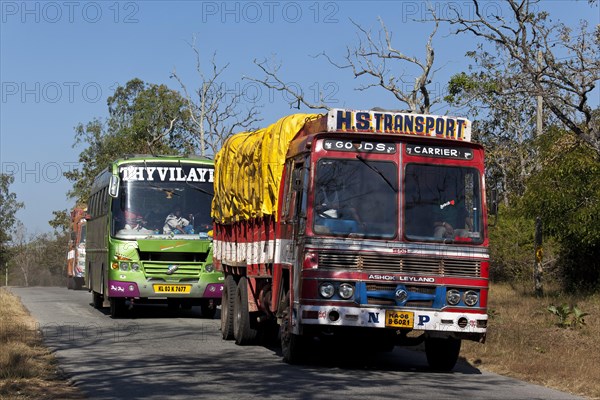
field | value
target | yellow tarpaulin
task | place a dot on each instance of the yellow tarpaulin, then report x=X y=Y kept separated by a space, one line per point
x=248 y=170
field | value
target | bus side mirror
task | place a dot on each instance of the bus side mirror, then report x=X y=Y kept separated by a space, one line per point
x=113 y=186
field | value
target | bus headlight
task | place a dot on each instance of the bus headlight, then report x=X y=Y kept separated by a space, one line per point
x=346 y=291
x=471 y=298
x=123 y=266
x=453 y=297
x=326 y=290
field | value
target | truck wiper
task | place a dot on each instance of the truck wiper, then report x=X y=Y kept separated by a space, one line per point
x=377 y=171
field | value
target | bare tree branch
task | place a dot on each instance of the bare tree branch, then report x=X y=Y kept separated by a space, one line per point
x=570 y=67
x=216 y=112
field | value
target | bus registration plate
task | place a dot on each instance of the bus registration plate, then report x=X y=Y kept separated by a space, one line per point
x=161 y=288
x=399 y=319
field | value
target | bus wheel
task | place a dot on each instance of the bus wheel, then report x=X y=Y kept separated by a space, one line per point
x=98 y=300
x=208 y=308
x=229 y=290
x=117 y=307
x=242 y=331
x=292 y=346
x=442 y=354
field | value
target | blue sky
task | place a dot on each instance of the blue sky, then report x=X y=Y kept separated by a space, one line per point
x=60 y=60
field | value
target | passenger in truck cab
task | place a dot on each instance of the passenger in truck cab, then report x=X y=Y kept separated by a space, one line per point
x=452 y=218
x=335 y=216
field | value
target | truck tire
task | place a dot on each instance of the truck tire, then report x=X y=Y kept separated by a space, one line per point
x=228 y=299
x=117 y=307
x=242 y=330
x=293 y=347
x=442 y=354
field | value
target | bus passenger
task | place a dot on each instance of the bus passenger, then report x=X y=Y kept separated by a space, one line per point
x=176 y=224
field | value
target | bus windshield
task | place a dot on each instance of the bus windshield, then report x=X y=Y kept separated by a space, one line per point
x=356 y=196
x=442 y=203
x=152 y=207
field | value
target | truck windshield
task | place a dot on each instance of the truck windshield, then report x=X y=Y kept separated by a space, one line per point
x=355 y=196
x=442 y=203
x=146 y=208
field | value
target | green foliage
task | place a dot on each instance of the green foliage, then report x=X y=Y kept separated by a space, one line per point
x=8 y=208
x=143 y=119
x=568 y=317
x=565 y=192
x=511 y=246
x=61 y=221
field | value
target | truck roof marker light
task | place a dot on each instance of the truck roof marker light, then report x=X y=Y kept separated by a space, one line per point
x=311 y=260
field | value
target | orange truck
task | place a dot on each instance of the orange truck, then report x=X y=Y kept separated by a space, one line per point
x=76 y=252
x=356 y=226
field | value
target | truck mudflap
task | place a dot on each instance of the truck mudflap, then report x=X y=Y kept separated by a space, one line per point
x=426 y=320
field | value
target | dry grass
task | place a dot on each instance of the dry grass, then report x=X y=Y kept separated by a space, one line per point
x=27 y=369
x=525 y=342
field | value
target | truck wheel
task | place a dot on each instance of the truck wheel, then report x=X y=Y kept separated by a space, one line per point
x=228 y=299
x=117 y=307
x=98 y=300
x=242 y=331
x=208 y=308
x=293 y=346
x=442 y=354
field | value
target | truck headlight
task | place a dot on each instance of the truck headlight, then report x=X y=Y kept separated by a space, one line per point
x=326 y=290
x=453 y=297
x=346 y=291
x=209 y=268
x=123 y=266
x=135 y=267
x=471 y=298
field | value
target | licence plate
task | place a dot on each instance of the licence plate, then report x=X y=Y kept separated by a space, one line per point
x=172 y=288
x=399 y=319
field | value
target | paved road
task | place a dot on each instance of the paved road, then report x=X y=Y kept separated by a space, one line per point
x=157 y=354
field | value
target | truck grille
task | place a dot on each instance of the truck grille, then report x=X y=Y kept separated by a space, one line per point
x=400 y=264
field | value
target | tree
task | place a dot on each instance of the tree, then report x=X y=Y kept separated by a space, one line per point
x=376 y=60
x=8 y=208
x=215 y=112
x=566 y=191
x=538 y=57
x=61 y=221
x=143 y=119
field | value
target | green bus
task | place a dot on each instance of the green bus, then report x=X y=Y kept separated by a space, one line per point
x=149 y=235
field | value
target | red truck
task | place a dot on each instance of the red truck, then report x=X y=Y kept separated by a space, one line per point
x=361 y=225
x=76 y=251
